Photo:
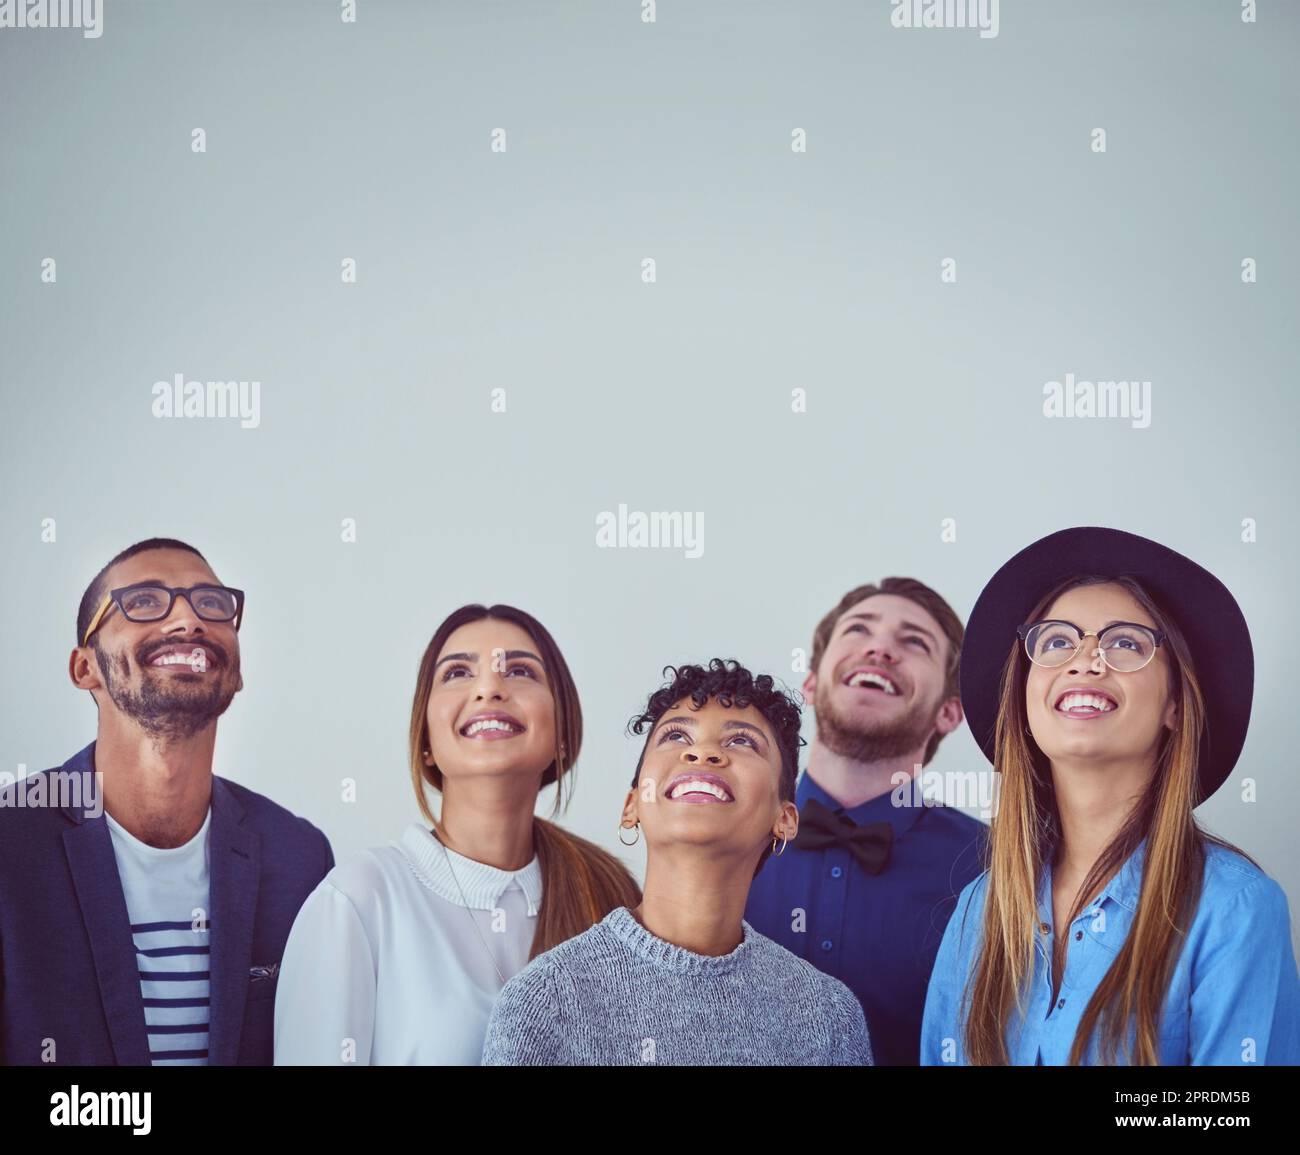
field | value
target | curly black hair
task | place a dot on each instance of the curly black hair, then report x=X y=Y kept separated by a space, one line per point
x=730 y=684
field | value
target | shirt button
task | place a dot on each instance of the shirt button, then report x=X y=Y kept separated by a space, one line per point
x=836 y=871
x=826 y=944
x=1044 y=927
x=1078 y=934
x=1060 y=1004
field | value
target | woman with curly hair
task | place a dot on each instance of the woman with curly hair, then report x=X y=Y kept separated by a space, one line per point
x=681 y=978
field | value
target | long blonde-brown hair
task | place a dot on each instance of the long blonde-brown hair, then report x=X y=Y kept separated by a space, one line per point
x=1026 y=831
x=581 y=883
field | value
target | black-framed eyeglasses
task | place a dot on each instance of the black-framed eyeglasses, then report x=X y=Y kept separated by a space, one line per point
x=151 y=602
x=1124 y=646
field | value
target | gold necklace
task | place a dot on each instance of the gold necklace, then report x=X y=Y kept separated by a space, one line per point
x=469 y=913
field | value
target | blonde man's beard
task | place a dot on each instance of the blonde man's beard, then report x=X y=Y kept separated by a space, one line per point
x=862 y=741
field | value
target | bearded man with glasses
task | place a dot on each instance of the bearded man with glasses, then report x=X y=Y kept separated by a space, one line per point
x=144 y=922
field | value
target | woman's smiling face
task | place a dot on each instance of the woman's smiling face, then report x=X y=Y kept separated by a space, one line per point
x=1083 y=709
x=710 y=777
x=491 y=708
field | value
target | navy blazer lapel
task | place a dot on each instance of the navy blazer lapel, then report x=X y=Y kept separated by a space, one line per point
x=89 y=848
x=235 y=867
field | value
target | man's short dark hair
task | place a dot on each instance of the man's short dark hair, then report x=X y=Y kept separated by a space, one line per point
x=727 y=681
x=95 y=591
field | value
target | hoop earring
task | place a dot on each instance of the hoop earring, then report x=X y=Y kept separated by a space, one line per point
x=634 y=841
x=777 y=853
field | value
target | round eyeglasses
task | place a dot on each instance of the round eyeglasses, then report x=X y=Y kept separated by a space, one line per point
x=1124 y=646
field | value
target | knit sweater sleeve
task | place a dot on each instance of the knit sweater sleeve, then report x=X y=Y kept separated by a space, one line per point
x=851 y=1045
x=524 y=1029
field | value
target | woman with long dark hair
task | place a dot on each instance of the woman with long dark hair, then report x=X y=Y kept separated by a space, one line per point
x=398 y=956
x=1109 y=681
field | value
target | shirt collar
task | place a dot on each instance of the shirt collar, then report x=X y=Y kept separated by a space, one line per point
x=160 y=853
x=224 y=803
x=622 y=923
x=881 y=809
x=1125 y=887
x=448 y=873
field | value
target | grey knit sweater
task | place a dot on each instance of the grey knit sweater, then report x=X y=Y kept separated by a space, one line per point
x=617 y=995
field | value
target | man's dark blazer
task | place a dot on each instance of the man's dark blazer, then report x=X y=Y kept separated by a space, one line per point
x=68 y=970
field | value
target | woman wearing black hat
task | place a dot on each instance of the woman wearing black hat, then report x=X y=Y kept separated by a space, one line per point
x=1109 y=681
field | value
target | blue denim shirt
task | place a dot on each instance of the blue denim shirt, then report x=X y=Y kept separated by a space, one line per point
x=1234 y=998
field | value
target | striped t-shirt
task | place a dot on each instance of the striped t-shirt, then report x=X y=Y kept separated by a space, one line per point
x=167 y=900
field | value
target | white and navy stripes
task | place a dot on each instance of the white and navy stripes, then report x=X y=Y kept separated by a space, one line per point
x=166 y=893
x=172 y=958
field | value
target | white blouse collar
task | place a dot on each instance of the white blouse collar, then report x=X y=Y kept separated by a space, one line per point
x=483 y=885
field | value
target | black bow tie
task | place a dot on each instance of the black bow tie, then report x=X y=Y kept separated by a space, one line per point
x=820 y=828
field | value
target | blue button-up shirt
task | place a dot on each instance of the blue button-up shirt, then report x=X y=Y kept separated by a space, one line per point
x=1234 y=998
x=878 y=934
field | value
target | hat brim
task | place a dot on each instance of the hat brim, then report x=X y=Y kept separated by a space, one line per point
x=1204 y=610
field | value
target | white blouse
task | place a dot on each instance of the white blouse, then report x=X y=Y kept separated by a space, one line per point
x=384 y=964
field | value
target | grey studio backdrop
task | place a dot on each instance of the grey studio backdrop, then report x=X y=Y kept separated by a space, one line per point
x=486 y=278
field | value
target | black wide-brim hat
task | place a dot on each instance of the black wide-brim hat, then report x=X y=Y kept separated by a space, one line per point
x=1199 y=604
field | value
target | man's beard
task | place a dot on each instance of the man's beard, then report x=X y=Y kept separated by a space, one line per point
x=867 y=741
x=167 y=713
